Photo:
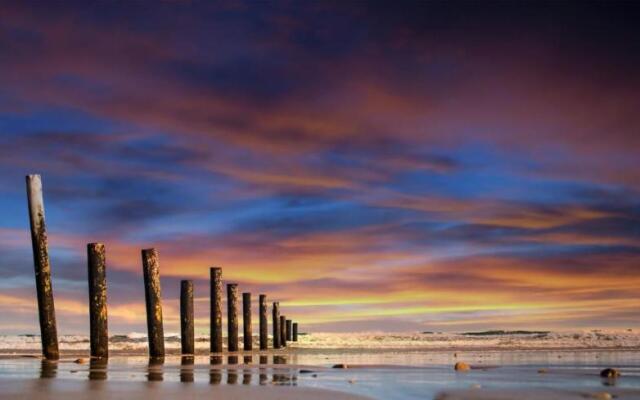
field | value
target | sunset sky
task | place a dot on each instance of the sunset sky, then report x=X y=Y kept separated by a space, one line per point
x=391 y=166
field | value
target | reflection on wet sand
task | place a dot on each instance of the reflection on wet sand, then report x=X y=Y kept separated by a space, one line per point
x=268 y=369
x=215 y=372
x=263 y=379
x=246 y=375
x=98 y=369
x=186 y=369
x=232 y=373
x=155 y=369
x=48 y=369
x=284 y=376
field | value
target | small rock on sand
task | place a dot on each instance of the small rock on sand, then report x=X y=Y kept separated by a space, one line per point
x=609 y=373
x=461 y=366
x=601 y=396
x=340 y=366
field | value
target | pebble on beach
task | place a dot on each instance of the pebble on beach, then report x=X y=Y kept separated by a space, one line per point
x=609 y=373
x=340 y=366
x=602 y=396
x=461 y=366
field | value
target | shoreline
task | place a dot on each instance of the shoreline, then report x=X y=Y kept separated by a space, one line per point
x=36 y=352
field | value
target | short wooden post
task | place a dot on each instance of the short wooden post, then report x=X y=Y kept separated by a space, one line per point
x=186 y=317
x=295 y=331
x=264 y=329
x=216 y=310
x=288 y=331
x=276 y=325
x=232 y=316
x=46 y=309
x=98 y=328
x=283 y=333
x=246 y=321
x=151 y=272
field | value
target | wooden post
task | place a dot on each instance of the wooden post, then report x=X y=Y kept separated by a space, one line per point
x=99 y=332
x=232 y=316
x=216 y=310
x=46 y=310
x=186 y=317
x=276 y=325
x=151 y=272
x=283 y=333
x=288 y=331
x=295 y=331
x=264 y=329
x=246 y=321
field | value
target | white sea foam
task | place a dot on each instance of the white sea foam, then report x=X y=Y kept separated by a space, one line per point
x=550 y=340
x=593 y=339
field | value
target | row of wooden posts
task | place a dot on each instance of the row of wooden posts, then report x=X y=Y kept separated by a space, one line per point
x=283 y=329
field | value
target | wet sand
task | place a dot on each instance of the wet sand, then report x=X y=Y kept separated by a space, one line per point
x=37 y=389
x=298 y=374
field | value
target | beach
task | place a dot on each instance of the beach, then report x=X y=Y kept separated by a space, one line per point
x=305 y=370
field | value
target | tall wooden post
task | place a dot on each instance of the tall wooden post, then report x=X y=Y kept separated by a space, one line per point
x=295 y=331
x=283 y=333
x=151 y=272
x=99 y=332
x=232 y=316
x=246 y=321
x=216 y=310
x=276 y=325
x=186 y=317
x=46 y=310
x=288 y=331
x=264 y=329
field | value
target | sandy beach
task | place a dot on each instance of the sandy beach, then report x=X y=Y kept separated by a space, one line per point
x=97 y=390
x=308 y=373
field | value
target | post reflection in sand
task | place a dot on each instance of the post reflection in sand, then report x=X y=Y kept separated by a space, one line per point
x=215 y=372
x=246 y=374
x=48 y=369
x=232 y=373
x=186 y=369
x=155 y=369
x=98 y=369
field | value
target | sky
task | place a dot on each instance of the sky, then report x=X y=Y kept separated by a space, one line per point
x=373 y=166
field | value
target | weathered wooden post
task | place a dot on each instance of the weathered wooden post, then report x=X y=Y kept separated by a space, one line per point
x=46 y=310
x=216 y=310
x=246 y=321
x=283 y=333
x=264 y=329
x=295 y=331
x=276 y=325
x=288 y=331
x=98 y=328
x=186 y=317
x=232 y=316
x=151 y=272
